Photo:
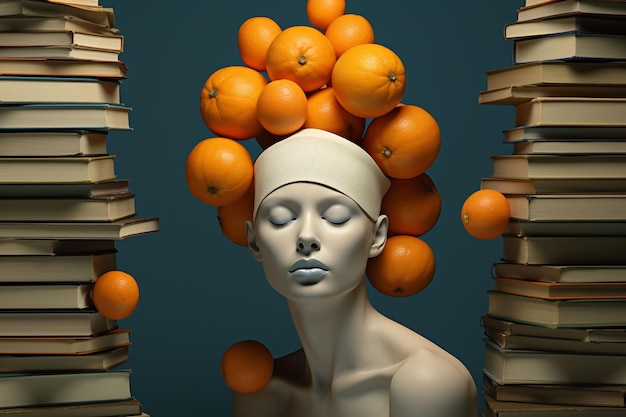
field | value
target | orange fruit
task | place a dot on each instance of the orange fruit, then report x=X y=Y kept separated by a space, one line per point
x=322 y=12
x=485 y=214
x=303 y=55
x=228 y=102
x=349 y=30
x=369 y=80
x=115 y=294
x=232 y=218
x=324 y=112
x=247 y=366
x=412 y=205
x=405 y=267
x=404 y=142
x=282 y=107
x=254 y=37
x=219 y=171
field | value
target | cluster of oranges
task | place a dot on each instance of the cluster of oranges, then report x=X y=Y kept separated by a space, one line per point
x=328 y=75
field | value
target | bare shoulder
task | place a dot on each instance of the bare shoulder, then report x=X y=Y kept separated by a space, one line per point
x=434 y=384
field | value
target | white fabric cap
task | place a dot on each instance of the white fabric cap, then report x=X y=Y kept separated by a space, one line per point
x=318 y=156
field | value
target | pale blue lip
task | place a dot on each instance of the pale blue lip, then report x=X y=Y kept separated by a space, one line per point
x=308 y=264
x=308 y=271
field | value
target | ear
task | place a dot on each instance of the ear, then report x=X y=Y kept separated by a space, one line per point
x=252 y=244
x=379 y=239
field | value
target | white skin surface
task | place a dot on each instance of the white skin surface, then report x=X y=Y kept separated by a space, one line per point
x=354 y=361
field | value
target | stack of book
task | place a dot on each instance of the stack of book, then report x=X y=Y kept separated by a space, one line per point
x=61 y=210
x=556 y=321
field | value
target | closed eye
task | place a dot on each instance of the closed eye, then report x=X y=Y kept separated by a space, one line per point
x=280 y=216
x=336 y=222
x=281 y=222
x=337 y=214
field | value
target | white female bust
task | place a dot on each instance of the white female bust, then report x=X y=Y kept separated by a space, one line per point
x=316 y=224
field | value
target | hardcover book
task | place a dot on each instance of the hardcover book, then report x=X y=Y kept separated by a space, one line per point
x=557 y=313
x=510 y=366
x=23 y=390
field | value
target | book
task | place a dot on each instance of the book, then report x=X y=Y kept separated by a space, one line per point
x=52 y=143
x=589 y=395
x=64 y=345
x=587 y=335
x=565 y=132
x=512 y=366
x=97 y=361
x=53 y=246
x=574 y=146
x=45 y=296
x=105 y=208
x=536 y=2
x=559 y=166
x=77 y=2
x=76 y=116
x=562 y=207
x=556 y=72
x=79 y=268
x=120 y=229
x=562 y=273
x=557 y=313
x=58 y=90
x=99 y=15
x=571 y=111
x=565 y=23
x=24 y=390
x=68 y=190
x=564 y=229
x=533 y=2
x=552 y=186
x=520 y=342
x=494 y=408
x=521 y=93
x=560 y=290
x=564 y=250
x=62 y=68
x=65 y=52
x=54 y=323
x=552 y=8
x=55 y=23
x=571 y=45
x=89 y=409
x=56 y=169
x=68 y=38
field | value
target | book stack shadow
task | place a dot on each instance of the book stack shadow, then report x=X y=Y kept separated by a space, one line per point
x=62 y=209
x=555 y=329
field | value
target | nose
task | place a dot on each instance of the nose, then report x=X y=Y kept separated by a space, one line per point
x=308 y=244
x=308 y=241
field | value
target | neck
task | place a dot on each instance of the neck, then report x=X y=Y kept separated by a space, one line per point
x=333 y=331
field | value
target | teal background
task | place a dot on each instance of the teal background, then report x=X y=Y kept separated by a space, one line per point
x=199 y=292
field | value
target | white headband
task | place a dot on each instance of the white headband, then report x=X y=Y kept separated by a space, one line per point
x=318 y=156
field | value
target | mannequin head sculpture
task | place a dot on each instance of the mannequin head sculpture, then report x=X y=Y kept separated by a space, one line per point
x=316 y=223
x=316 y=214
